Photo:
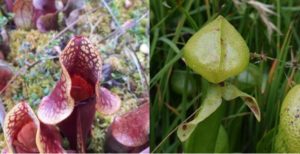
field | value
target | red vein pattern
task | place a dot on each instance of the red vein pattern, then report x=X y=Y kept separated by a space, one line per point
x=129 y=132
x=72 y=103
x=81 y=72
x=25 y=134
x=20 y=119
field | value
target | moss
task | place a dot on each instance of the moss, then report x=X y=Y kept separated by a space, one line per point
x=129 y=100
x=26 y=41
x=2 y=141
x=117 y=64
x=28 y=47
x=131 y=11
x=98 y=136
x=99 y=18
x=33 y=85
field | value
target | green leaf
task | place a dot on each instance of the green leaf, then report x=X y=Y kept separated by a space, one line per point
x=183 y=82
x=205 y=136
x=222 y=143
x=265 y=143
x=212 y=101
x=231 y=92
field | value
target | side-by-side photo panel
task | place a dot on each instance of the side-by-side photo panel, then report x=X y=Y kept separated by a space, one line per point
x=224 y=76
x=149 y=76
